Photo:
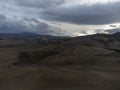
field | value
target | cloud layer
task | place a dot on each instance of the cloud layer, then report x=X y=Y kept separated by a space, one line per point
x=27 y=25
x=98 y=13
x=37 y=15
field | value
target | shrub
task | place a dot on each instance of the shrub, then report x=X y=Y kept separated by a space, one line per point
x=34 y=56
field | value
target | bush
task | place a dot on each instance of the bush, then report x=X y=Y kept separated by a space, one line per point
x=34 y=56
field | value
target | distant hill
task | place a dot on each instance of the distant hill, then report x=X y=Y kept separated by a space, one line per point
x=16 y=39
x=29 y=35
x=98 y=40
x=23 y=34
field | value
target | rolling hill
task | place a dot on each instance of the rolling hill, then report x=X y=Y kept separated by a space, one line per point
x=80 y=63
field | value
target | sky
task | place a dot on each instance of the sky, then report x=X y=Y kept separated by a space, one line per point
x=60 y=17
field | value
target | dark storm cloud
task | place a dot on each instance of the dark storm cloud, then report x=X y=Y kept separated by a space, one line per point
x=40 y=4
x=2 y=17
x=100 y=13
x=26 y=25
x=23 y=16
x=14 y=12
x=63 y=11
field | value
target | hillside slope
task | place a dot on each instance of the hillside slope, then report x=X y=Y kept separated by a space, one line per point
x=81 y=63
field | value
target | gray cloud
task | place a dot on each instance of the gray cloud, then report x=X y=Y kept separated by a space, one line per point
x=86 y=14
x=26 y=25
x=2 y=17
x=40 y=4
x=24 y=15
x=62 y=11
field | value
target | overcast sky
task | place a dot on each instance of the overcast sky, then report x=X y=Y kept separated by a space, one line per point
x=60 y=17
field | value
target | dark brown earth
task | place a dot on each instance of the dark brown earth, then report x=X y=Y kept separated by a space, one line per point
x=79 y=63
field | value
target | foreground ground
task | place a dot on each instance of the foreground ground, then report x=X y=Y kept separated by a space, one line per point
x=59 y=66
